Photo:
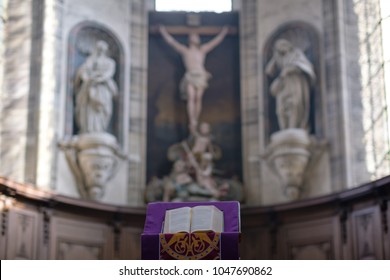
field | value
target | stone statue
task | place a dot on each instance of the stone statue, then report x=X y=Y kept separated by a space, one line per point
x=191 y=177
x=179 y=185
x=292 y=86
x=95 y=90
x=204 y=172
x=202 y=143
x=195 y=80
x=175 y=184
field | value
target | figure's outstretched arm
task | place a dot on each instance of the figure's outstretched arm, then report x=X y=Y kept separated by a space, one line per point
x=216 y=41
x=171 y=41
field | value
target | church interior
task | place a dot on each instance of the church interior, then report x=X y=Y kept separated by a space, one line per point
x=107 y=106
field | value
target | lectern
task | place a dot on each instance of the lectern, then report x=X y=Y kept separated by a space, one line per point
x=191 y=246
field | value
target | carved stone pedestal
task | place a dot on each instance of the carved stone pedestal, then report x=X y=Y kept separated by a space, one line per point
x=93 y=158
x=288 y=155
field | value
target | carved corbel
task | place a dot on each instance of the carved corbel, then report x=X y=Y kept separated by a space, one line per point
x=94 y=159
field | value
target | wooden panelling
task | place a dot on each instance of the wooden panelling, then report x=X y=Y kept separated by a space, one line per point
x=386 y=228
x=321 y=250
x=308 y=240
x=130 y=248
x=367 y=234
x=350 y=225
x=256 y=244
x=3 y=244
x=22 y=234
x=80 y=240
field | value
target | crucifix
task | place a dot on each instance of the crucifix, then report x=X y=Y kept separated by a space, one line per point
x=195 y=80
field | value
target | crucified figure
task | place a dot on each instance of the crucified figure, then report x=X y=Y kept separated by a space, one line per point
x=195 y=79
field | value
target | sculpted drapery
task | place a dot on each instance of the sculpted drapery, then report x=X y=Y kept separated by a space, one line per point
x=95 y=89
x=291 y=87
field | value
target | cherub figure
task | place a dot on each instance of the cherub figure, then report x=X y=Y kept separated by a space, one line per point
x=178 y=178
x=204 y=172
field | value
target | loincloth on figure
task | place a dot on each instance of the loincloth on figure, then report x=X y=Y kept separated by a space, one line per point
x=197 y=79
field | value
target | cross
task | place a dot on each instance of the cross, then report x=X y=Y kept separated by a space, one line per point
x=193 y=26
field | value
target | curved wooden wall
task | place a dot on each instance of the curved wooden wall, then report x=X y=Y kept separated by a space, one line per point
x=353 y=224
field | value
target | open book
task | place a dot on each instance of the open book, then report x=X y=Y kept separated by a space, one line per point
x=198 y=218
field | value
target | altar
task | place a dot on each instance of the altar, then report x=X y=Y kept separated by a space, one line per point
x=191 y=246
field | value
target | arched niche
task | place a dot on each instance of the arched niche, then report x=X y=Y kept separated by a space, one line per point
x=305 y=37
x=82 y=40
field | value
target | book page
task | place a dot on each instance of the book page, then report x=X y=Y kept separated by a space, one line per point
x=207 y=218
x=177 y=220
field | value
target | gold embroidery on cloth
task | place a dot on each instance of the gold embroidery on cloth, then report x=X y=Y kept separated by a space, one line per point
x=190 y=246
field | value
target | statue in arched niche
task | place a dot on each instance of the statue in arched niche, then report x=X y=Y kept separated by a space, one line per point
x=95 y=89
x=291 y=87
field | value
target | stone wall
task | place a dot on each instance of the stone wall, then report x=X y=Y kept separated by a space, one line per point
x=36 y=96
x=250 y=109
x=338 y=108
x=35 y=93
x=16 y=90
x=262 y=185
x=138 y=100
x=117 y=22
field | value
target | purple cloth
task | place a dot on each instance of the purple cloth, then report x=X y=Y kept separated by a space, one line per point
x=155 y=215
